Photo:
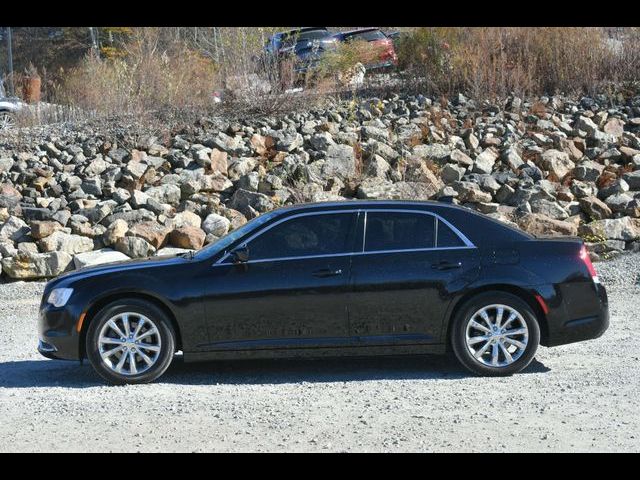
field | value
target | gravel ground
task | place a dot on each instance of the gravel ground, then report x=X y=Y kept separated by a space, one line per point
x=580 y=397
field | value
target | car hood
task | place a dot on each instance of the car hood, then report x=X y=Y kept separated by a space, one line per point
x=112 y=267
x=11 y=104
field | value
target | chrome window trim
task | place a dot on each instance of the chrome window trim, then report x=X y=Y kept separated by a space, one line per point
x=331 y=255
x=435 y=232
x=467 y=243
x=364 y=229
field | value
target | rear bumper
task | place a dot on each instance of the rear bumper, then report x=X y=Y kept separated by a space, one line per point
x=577 y=312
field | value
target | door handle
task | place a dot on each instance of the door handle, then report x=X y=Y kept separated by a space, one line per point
x=446 y=265
x=326 y=273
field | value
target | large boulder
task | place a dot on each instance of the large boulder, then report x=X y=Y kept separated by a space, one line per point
x=187 y=237
x=244 y=200
x=9 y=196
x=611 y=228
x=340 y=161
x=434 y=151
x=595 y=208
x=548 y=208
x=540 y=225
x=153 y=232
x=165 y=194
x=98 y=257
x=28 y=266
x=187 y=218
x=614 y=127
x=633 y=179
x=588 y=171
x=226 y=143
x=216 y=225
x=134 y=247
x=557 y=163
x=288 y=141
x=117 y=229
x=13 y=229
x=485 y=161
x=241 y=167
x=375 y=188
x=66 y=242
x=470 y=192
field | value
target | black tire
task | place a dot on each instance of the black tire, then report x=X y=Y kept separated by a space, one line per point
x=165 y=332
x=462 y=318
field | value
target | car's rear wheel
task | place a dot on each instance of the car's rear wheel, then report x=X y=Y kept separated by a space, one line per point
x=130 y=341
x=495 y=334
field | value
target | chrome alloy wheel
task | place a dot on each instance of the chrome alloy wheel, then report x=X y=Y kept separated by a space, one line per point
x=6 y=121
x=497 y=335
x=129 y=343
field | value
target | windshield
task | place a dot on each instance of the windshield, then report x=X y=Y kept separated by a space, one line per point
x=231 y=237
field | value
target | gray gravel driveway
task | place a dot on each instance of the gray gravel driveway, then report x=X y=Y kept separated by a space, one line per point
x=579 y=397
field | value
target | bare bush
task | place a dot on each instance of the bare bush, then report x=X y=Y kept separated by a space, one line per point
x=147 y=76
x=494 y=62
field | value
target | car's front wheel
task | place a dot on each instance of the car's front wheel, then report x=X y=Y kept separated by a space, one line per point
x=130 y=341
x=495 y=334
x=7 y=120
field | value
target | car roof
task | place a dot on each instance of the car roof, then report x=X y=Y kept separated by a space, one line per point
x=358 y=30
x=351 y=204
x=299 y=30
x=486 y=226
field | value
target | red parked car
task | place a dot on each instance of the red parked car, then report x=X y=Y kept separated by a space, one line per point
x=387 y=58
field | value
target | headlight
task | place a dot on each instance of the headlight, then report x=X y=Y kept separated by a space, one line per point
x=59 y=296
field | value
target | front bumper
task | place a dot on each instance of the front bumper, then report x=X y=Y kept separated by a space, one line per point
x=57 y=333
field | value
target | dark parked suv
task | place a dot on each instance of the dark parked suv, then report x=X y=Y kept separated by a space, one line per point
x=348 y=278
x=304 y=47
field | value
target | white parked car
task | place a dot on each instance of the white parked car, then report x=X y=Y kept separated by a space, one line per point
x=9 y=107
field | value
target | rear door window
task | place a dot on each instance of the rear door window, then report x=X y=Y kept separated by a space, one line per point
x=447 y=238
x=399 y=231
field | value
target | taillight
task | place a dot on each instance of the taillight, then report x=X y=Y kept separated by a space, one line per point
x=584 y=256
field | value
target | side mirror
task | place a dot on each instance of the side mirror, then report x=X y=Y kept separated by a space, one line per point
x=240 y=254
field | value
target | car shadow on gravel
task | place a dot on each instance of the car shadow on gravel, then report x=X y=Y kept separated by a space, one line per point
x=55 y=373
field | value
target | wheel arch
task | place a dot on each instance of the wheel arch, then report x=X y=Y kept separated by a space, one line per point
x=522 y=293
x=93 y=310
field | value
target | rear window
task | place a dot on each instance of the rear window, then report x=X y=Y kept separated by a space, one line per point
x=313 y=35
x=297 y=37
x=399 y=231
x=369 y=36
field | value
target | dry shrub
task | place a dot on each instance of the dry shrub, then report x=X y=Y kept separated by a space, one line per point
x=346 y=55
x=495 y=62
x=145 y=77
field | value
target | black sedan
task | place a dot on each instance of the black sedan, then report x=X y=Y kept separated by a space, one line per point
x=348 y=278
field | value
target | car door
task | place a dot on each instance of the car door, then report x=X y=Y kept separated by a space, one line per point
x=401 y=283
x=292 y=291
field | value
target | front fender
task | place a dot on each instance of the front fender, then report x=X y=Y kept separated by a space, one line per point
x=183 y=305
